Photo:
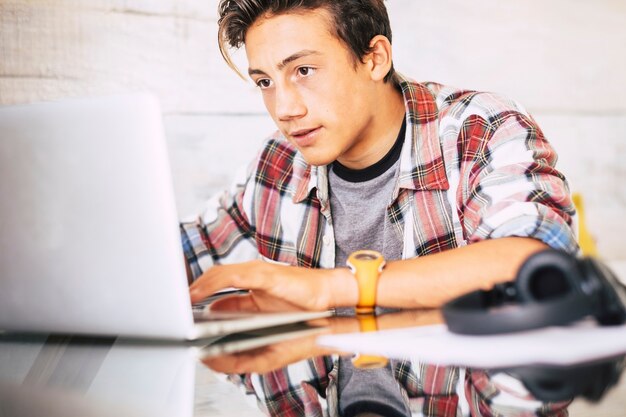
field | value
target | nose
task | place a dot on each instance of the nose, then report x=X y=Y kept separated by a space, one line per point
x=289 y=103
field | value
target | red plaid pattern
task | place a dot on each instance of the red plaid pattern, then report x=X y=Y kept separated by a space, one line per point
x=308 y=389
x=473 y=166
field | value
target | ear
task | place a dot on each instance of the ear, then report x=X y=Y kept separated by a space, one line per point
x=378 y=61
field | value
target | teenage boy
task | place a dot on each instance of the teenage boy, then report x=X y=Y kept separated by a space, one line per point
x=453 y=188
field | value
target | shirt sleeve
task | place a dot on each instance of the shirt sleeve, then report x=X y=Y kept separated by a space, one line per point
x=510 y=186
x=223 y=233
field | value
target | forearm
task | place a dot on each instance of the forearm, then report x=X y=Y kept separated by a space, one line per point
x=430 y=281
x=423 y=282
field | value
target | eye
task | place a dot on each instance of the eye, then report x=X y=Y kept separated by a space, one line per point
x=306 y=71
x=264 y=83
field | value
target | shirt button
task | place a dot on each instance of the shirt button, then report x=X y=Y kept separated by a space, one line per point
x=326 y=240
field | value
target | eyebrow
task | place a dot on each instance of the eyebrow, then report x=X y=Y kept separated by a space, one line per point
x=282 y=64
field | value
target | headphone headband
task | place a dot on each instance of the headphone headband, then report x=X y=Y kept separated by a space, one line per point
x=552 y=288
x=470 y=315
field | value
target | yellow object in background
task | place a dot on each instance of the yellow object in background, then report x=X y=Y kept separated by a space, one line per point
x=585 y=239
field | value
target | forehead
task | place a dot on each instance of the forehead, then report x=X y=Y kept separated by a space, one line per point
x=278 y=36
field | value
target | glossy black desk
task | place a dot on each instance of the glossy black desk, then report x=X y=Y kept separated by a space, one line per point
x=54 y=375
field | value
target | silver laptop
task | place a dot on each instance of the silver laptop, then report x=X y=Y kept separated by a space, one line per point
x=89 y=238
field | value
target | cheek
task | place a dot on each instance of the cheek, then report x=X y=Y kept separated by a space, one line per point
x=270 y=104
x=330 y=104
x=342 y=96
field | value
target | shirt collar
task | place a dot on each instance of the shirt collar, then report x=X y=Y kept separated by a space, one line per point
x=308 y=178
x=421 y=161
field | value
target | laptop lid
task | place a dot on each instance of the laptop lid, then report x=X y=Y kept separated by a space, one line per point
x=90 y=241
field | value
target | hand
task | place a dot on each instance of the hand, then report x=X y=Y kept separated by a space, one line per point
x=268 y=358
x=274 y=287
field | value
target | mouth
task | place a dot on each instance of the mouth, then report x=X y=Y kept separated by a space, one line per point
x=304 y=137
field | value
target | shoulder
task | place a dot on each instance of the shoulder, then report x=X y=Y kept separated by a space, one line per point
x=458 y=105
x=279 y=165
x=277 y=153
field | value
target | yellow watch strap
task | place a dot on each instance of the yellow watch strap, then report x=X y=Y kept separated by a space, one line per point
x=366 y=266
x=367 y=278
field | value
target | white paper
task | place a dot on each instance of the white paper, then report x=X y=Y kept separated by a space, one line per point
x=579 y=343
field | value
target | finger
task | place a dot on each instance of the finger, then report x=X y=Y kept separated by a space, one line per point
x=215 y=279
x=247 y=275
x=235 y=303
x=254 y=302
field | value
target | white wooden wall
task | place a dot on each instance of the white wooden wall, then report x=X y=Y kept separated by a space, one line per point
x=564 y=59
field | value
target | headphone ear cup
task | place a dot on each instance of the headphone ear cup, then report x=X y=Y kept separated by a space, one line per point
x=548 y=291
x=547 y=275
x=610 y=305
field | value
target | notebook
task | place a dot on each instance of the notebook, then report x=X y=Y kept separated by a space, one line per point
x=89 y=240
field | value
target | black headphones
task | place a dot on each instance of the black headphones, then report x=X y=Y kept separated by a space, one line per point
x=557 y=383
x=552 y=288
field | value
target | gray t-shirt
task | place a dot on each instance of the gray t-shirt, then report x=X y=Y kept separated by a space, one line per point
x=360 y=220
x=358 y=203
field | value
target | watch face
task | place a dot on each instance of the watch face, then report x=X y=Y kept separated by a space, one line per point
x=365 y=256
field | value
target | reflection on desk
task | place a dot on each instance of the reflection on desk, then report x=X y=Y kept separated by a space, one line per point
x=318 y=386
x=331 y=385
x=55 y=375
x=72 y=376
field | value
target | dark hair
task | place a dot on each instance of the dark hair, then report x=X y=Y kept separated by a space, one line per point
x=355 y=22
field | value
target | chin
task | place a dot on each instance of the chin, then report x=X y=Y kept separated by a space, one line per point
x=315 y=159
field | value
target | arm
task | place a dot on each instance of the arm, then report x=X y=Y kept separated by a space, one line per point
x=427 y=281
x=222 y=234
x=512 y=202
x=431 y=281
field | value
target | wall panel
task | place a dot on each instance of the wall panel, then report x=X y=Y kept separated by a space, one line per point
x=563 y=59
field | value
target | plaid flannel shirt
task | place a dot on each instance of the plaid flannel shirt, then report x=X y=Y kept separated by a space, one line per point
x=473 y=166
x=309 y=389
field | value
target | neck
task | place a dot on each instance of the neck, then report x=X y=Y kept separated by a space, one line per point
x=381 y=132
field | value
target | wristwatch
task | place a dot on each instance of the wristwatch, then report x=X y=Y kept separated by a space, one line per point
x=366 y=265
